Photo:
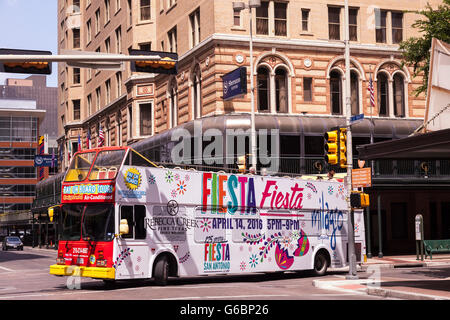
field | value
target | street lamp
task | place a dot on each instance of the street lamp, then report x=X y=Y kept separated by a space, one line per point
x=239 y=6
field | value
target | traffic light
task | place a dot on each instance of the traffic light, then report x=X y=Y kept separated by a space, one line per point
x=359 y=200
x=343 y=147
x=336 y=147
x=167 y=64
x=242 y=166
x=29 y=67
x=332 y=147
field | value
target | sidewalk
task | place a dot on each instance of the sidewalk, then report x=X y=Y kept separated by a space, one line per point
x=372 y=279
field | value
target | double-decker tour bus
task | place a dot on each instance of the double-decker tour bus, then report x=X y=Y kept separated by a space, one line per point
x=123 y=217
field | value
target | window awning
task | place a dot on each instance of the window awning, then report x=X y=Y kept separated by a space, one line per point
x=431 y=145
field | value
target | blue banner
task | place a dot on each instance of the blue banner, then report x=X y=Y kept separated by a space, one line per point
x=45 y=160
x=235 y=83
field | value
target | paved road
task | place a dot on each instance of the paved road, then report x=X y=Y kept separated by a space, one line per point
x=24 y=276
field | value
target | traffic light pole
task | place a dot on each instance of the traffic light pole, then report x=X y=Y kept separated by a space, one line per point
x=348 y=111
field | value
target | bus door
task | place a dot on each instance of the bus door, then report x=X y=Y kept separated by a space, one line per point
x=133 y=252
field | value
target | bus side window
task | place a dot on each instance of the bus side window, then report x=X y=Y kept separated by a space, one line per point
x=126 y=212
x=139 y=217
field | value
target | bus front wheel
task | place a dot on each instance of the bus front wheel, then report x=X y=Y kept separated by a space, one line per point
x=161 y=271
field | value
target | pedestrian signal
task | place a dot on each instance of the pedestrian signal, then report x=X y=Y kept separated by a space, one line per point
x=28 y=67
x=359 y=200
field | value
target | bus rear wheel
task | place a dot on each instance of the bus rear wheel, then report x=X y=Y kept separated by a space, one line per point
x=161 y=272
x=320 y=264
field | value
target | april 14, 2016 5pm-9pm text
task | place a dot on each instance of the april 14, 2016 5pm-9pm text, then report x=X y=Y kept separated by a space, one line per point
x=229 y=309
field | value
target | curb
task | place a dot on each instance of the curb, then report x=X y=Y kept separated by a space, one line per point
x=401 y=294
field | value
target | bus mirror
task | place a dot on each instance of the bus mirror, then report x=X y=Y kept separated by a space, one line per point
x=50 y=214
x=123 y=229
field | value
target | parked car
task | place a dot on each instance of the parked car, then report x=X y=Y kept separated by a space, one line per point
x=12 y=243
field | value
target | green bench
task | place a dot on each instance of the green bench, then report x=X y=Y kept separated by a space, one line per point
x=436 y=246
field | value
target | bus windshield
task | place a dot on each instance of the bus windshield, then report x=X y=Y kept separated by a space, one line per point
x=71 y=221
x=93 y=222
x=79 y=167
x=98 y=222
x=107 y=164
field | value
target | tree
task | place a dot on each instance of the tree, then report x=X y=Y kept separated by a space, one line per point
x=416 y=50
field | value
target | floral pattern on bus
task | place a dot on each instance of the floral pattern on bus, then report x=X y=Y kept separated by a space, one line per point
x=122 y=256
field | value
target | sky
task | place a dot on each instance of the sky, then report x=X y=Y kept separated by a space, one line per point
x=29 y=24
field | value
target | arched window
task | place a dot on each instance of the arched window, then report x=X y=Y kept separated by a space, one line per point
x=281 y=90
x=399 y=95
x=383 y=94
x=173 y=94
x=196 y=93
x=336 y=92
x=354 y=86
x=263 y=83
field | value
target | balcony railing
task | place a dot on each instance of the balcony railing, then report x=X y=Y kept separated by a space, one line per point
x=295 y=166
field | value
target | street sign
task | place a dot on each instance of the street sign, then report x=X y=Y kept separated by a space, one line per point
x=44 y=160
x=362 y=178
x=357 y=117
x=235 y=83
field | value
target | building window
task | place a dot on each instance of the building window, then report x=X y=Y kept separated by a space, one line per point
x=119 y=40
x=194 y=20
x=263 y=81
x=397 y=27
x=75 y=6
x=173 y=93
x=119 y=83
x=281 y=90
x=280 y=18
x=108 y=91
x=262 y=18
x=237 y=18
x=89 y=105
x=145 y=46
x=336 y=92
x=76 y=38
x=89 y=31
x=162 y=45
x=130 y=121
x=145 y=9
x=76 y=109
x=354 y=89
x=334 y=23
x=145 y=114
x=130 y=13
x=197 y=93
x=383 y=94
x=307 y=89
x=76 y=76
x=172 y=39
x=353 y=24
x=97 y=21
x=117 y=5
x=380 y=28
x=399 y=95
x=107 y=11
x=305 y=20
x=98 y=96
x=108 y=45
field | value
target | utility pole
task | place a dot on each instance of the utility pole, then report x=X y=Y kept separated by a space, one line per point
x=348 y=113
